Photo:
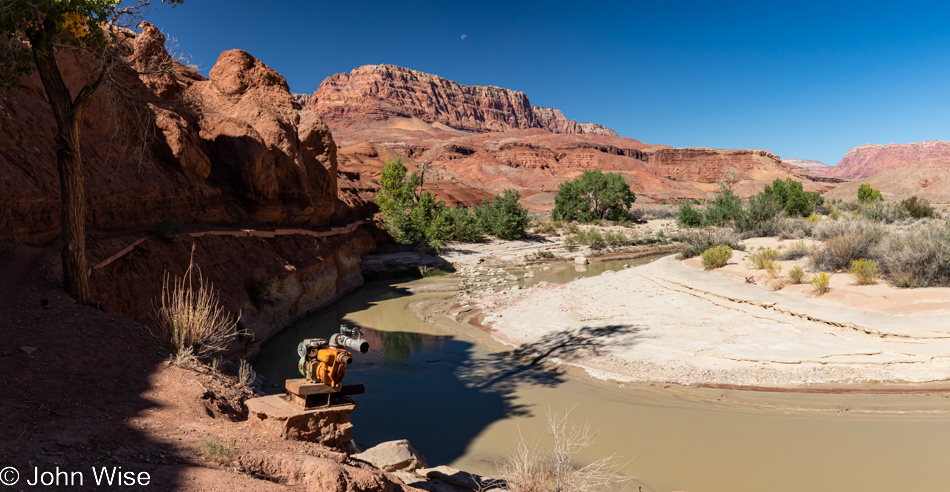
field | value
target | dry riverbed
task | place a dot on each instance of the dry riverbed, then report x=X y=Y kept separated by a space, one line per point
x=669 y=321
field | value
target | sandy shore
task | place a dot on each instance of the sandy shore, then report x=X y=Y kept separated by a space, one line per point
x=670 y=321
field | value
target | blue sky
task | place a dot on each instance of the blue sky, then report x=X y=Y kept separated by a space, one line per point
x=803 y=79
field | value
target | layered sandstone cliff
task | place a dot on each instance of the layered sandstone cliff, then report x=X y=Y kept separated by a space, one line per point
x=870 y=159
x=384 y=91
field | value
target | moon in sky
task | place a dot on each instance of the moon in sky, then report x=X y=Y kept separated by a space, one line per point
x=464 y=36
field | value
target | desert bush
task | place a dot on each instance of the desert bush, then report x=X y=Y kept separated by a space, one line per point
x=699 y=240
x=838 y=251
x=716 y=257
x=918 y=208
x=615 y=239
x=763 y=256
x=868 y=194
x=461 y=225
x=188 y=317
x=663 y=212
x=545 y=228
x=529 y=471
x=835 y=214
x=502 y=216
x=689 y=216
x=864 y=271
x=821 y=283
x=635 y=214
x=879 y=211
x=796 y=275
x=773 y=269
x=539 y=255
x=828 y=228
x=571 y=228
x=919 y=256
x=221 y=453
x=791 y=197
x=794 y=250
x=725 y=208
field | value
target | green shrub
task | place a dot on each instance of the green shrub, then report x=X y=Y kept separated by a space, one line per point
x=593 y=195
x=835 y=214
x=796 y=275
x=868 y=194
x=762 y=257
x=821 y=283
x=689 y=216
x=864 y=271
x=545 y=228
x=791 y=197
x=502 y=216
x=539 y=255
x=462 y=225
x=699 y=240
x=723 y=209
x=918 y=208
x=571 y=228
x=759 y=216
x=773 y=269
x=716 y=257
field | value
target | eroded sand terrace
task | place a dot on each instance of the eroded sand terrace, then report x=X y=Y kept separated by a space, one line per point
x=670 y=321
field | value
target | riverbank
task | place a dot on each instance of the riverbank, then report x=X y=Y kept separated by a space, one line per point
x=671 y=322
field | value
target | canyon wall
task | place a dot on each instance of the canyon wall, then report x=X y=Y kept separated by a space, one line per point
x=870 y=159
x=169 y=144
x=383 y=91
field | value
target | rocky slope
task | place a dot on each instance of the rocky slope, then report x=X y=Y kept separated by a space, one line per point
x=383 y=91
x=816 y=167
x=477 y=141
x=870 y=159
x=929 y=179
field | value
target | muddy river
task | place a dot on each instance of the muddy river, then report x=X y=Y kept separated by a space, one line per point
x=462 y=400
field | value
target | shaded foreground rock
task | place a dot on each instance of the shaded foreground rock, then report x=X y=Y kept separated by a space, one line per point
x=394 y=456
x=330 y=427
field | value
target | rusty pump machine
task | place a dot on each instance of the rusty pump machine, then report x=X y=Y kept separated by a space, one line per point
x=323 y=364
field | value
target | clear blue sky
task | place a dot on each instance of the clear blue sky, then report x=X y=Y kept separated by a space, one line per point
x=801 y=79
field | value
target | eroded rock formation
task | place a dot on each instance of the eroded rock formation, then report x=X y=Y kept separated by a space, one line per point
x=169 y=144
x=870 y=159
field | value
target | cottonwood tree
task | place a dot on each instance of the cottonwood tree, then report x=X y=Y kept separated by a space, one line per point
x=593 y=195
x=31 y=33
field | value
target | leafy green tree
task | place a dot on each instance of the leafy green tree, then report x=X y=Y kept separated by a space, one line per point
x=868 y=194
x=689 y=216
x=502 y=216
x=593 y=195
x=723 y=209
x=462 y=225
x=33 y=32
x=791 y=197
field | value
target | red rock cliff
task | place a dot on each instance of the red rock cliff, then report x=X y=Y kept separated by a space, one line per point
x=233 y=147
x=870 y=159
x=382 y=91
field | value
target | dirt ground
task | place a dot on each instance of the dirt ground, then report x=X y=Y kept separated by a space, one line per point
x=88 y=389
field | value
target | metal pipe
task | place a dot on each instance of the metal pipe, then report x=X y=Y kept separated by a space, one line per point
x=343 y=341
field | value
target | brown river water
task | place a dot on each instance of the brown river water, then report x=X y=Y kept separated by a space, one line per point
x=461 y=399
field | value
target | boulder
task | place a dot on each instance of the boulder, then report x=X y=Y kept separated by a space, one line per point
x=581 y=260
x=394 y=455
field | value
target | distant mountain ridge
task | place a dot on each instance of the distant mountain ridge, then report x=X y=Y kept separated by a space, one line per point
x=870 y=159
x=393 y=91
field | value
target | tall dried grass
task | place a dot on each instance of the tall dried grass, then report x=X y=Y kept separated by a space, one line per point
x=918 y=256
x=189 y=317
x=528 y=470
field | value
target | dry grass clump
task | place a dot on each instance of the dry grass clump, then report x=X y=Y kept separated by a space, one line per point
x=773 y=269
x=796 y=275
x=830 y=228
x=246 y=374
x=918 y=256
x=530 y=471
x=794 y=251
x=763 y=256
x=189 y=317
x=699 y=240
x=864 y=271
x=716 y=257
x=221 y=453
x=844 y=241
x=821 y=282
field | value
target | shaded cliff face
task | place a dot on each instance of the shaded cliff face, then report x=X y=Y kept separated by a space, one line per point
x=170 y=144
x=383 y=91
x=870 y=159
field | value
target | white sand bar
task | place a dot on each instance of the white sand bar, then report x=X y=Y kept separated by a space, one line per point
x=671 y=322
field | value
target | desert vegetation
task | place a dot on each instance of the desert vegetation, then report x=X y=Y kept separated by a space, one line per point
x=594 y=195
x=414 y=216
x=906 y=243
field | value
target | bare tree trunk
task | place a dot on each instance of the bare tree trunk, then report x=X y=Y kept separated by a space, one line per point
x=68 y=118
